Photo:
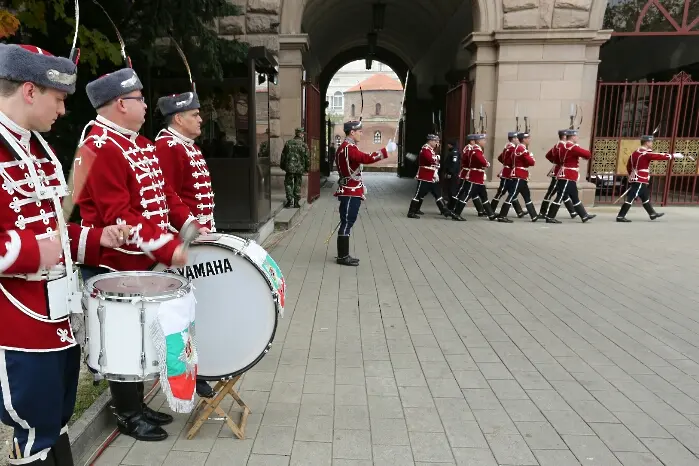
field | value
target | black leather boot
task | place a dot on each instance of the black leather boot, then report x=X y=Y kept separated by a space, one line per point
x=543 y=211
x=153 y=416
x=571 y=209
x=457 y=212
x=412 y=210
x=451 y=205
x=651 y=212
x=297 y=204
x=443 y=208
x=518 y=208
x=531 y=210
x=621 y=217
x=204 y=390
x=502 y=218
x=419 y=204
x=61 y=451
x=128 y=410
x=343 y=257
x=553 y=210
x=584 y=216
x=288 y=204
x=485 y=207
x=494 y=204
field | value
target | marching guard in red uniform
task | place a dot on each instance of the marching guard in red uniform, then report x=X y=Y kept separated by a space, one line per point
x=505 y=174
x=118 y=178
x=568 y=174
x=475 y=179
x=554 y=155
x=428 y=179
x=184 y=167
x=638 y=168
x=351 y=190
x=463 y=175
x=520 y=159
x=39 y=354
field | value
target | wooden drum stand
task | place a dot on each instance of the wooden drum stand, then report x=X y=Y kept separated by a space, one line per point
x=207 y=406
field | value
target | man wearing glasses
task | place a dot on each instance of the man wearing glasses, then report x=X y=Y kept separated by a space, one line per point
x=118 y=179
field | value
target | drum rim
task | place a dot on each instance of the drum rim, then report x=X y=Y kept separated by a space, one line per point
x=92 y=291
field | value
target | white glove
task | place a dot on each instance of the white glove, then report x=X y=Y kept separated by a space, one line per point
x=678 y=155
x=391 y=146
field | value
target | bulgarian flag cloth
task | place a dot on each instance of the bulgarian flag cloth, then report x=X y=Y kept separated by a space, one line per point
x=173 y=336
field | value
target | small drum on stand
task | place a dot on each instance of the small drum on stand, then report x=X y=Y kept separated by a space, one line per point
x=240 y=296
x=119 y=311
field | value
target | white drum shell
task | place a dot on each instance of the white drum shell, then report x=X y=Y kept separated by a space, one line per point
x=236 y=314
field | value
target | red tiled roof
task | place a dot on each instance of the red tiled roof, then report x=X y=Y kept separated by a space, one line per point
x=377 y=82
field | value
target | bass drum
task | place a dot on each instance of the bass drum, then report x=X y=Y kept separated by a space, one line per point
x=240 y=296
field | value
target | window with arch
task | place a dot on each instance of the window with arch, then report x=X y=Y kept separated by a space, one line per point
x=377 y=137
x=352 y=109
x=378 y=109
x=338 y=140
x=338 y=101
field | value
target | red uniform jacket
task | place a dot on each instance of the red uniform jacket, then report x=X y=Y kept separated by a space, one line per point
x=349 y=160
x=118 y=179
x=506 y=171
x=477 y=164
x=465 y=162
x=520 y=159
x=570 y=161
x=25 y=219
x=185 y=170
x=428 y=165
x=555 y=155
x=638 y=164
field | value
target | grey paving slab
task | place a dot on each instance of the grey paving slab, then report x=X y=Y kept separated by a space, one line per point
x=470 y=343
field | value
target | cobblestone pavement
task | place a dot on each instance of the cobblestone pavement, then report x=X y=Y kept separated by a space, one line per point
x=472 y=343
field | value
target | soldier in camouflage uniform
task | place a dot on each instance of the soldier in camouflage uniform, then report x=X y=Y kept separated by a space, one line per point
x=295 y=162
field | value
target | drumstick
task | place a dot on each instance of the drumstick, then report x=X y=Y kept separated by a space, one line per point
x=189 y=233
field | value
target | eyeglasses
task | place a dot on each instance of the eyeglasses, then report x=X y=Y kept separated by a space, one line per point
x=139 y=98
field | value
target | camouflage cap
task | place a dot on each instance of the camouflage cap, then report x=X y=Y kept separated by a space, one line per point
x=300 y=130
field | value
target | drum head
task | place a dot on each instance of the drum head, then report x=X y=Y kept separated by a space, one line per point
x=133 y=284
x=236 y=315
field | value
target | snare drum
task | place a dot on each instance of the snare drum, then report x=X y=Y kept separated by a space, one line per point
x=240 y=295
x=120 y=309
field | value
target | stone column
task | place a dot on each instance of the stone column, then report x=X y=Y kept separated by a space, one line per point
x=482 y=73
x=290 y=104
x=539 y=74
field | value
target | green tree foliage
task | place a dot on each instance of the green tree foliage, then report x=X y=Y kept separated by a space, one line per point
x=622 y=15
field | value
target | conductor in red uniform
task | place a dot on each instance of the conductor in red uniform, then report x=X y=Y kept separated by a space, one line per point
x=428 y=178
x=568 y=174
x=39 y=355
x=520 y=159
x=638 y=168
x=351 y=191
x=118 y=178
x=184 y=167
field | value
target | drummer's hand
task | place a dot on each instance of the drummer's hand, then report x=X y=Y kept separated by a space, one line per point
x=204 y=231
x=179 y=257
x=114 y=236
x=49 y=253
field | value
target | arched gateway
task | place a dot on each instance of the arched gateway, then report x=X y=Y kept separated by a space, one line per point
x=531 y=57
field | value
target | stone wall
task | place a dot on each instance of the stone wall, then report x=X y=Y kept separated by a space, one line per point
x=385 y=122
x=546 y=14
x=259 y=26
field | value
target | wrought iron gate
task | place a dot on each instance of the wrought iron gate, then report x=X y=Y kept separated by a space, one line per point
x=457 y=123
x=625 y=111
x=312 y=123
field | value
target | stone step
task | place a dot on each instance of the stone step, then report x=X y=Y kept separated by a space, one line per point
x=287 y=218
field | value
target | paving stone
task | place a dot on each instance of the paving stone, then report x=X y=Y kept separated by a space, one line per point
x=274 y=440
x=618 y=437
x=556 y=458
x=311 y=454
x=590 y=450
x=430 y=447
x=540 y=436
x=511 y=449
x=314 y=429
x=352 y=444
x=389 y=432
x=474 y=457
x=392 y=455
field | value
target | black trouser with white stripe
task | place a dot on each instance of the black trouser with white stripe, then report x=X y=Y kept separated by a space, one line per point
x=424 y=188
x=502 y=190
x=568 y=189
x=550 y=194
x=515 y=187
x=476 y=193
x=641 y=191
